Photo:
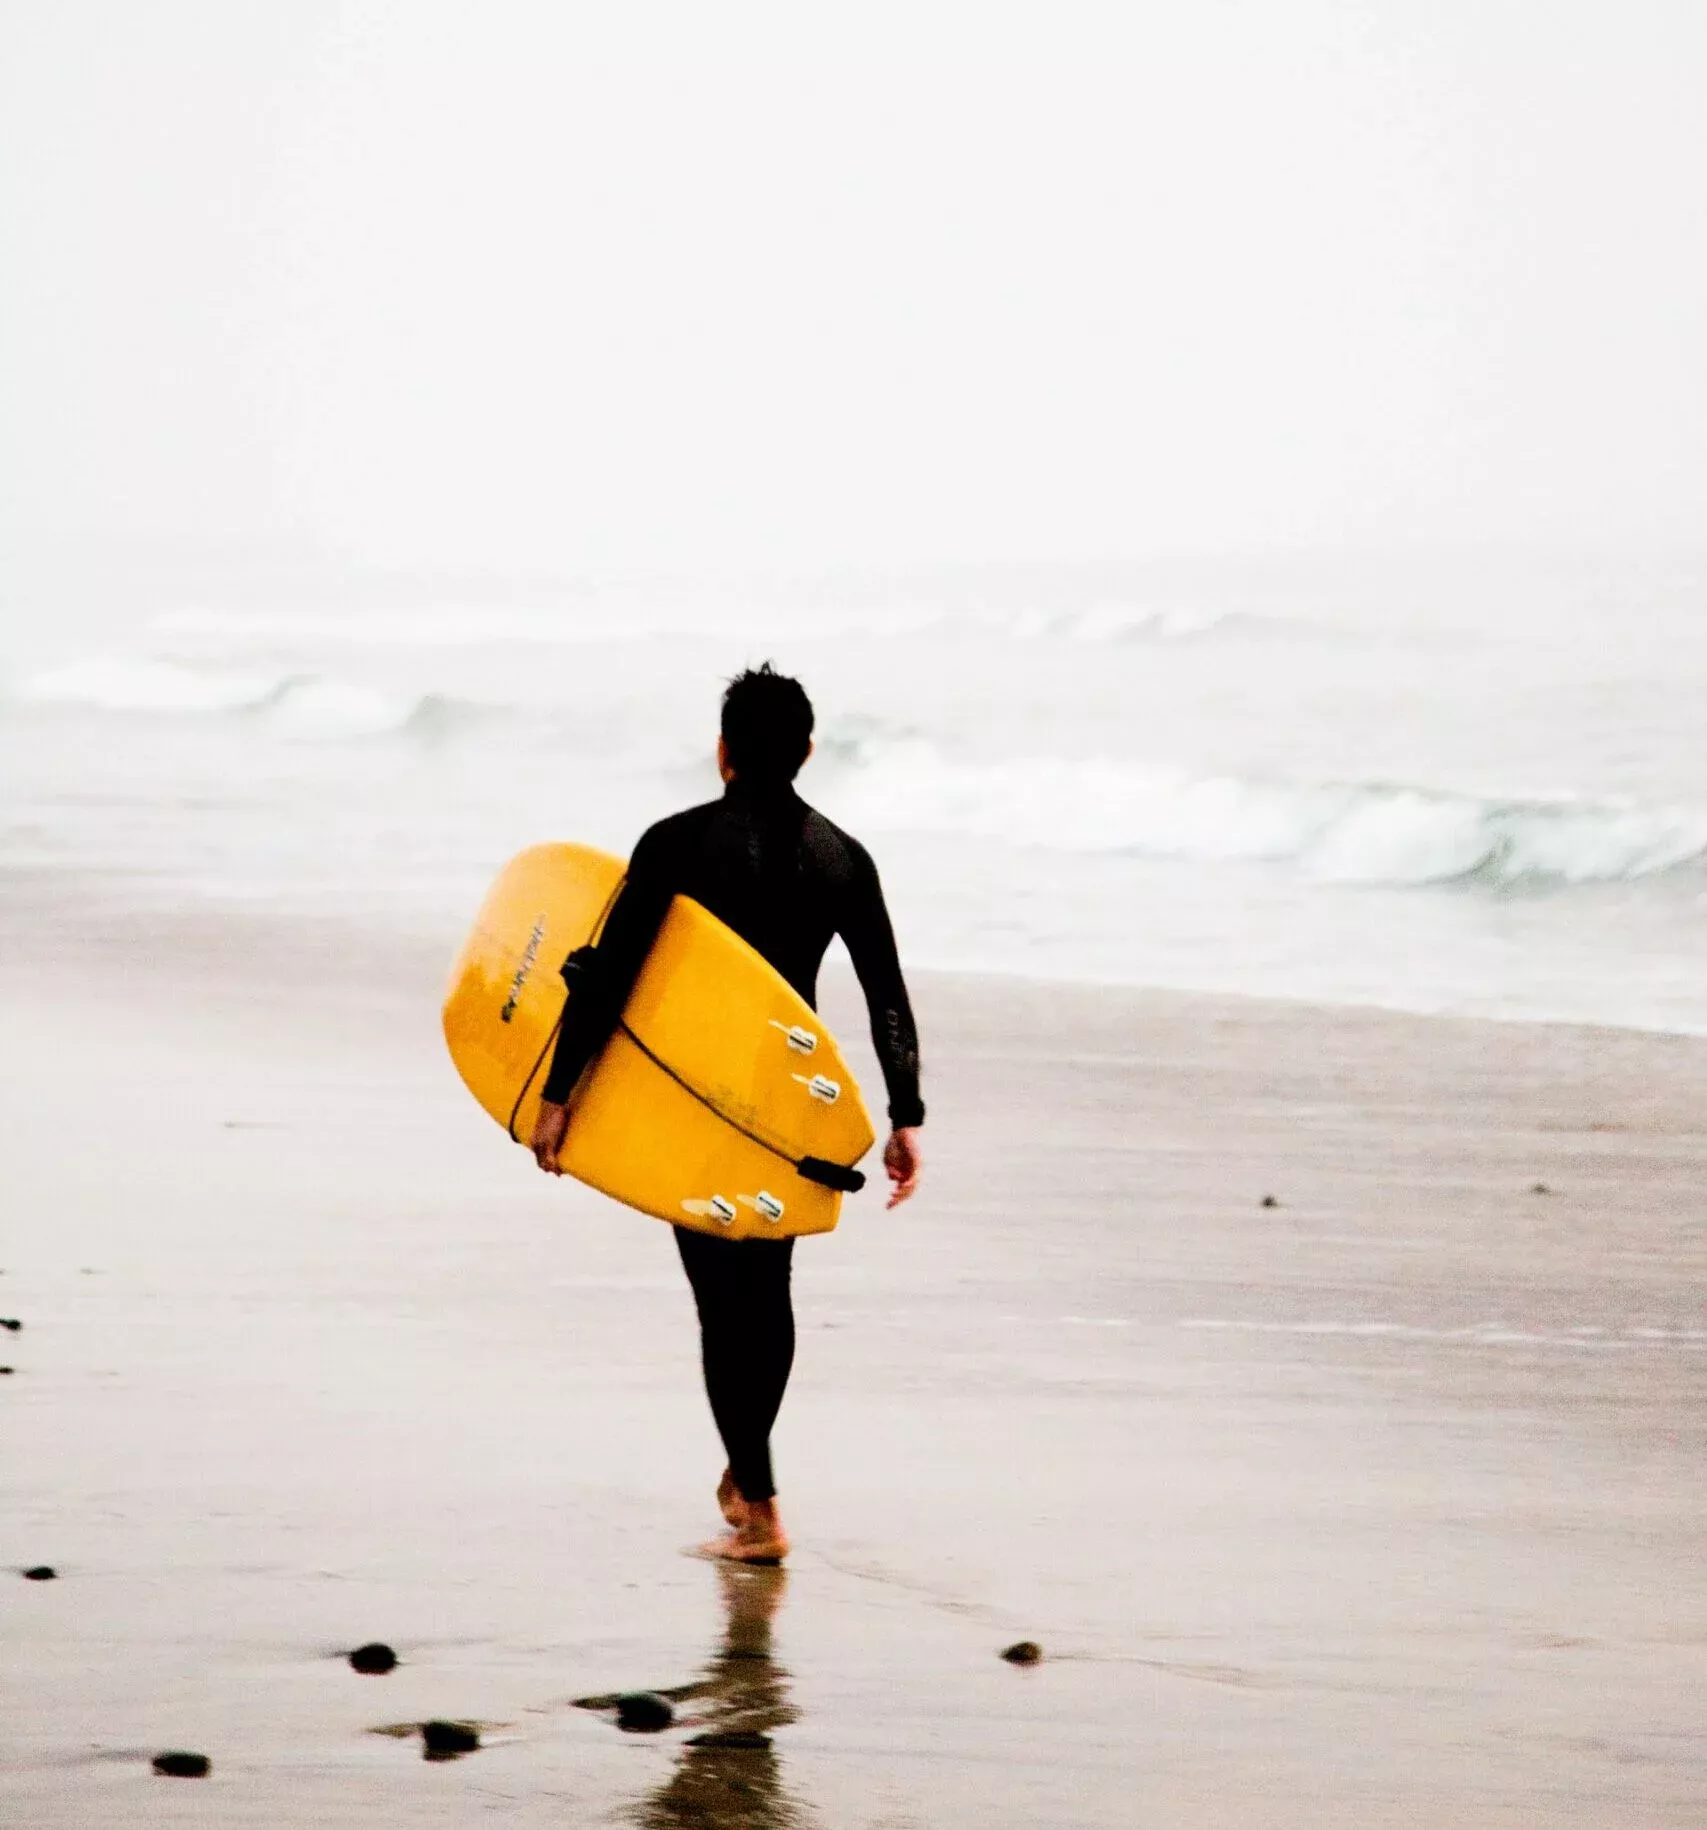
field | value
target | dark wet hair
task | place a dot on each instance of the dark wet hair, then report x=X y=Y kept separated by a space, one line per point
x=767 y=726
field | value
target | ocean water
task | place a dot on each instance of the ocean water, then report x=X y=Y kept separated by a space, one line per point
x=1475 y=786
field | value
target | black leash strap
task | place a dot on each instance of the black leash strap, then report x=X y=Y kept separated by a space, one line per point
x=539 y=1062
x=814 y=1168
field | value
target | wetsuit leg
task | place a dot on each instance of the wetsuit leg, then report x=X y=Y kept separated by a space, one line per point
x=746 y=1333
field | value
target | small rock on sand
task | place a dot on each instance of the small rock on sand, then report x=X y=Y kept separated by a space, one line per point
x=1268 y=1201
x=41 y=1572
x=374 y=1659
x=446 y=1740
x=183 y=1766
x=1023 y=1652
x=1540 y=1188
x=7 y=1321
x=643 y=1712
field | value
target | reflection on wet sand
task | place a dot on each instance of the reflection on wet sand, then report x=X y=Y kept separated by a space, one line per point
x=721 y=1782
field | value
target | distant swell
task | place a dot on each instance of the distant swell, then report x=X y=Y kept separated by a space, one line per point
x=1117 y=622
x=1096 y=624
x=298 y=705
x=1351 y=832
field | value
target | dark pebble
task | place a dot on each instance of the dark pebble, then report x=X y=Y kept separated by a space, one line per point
x=1269 y=1201
x=643 y=1712
x=6 y=1369
x=730 y=1737
x=374 y=1659
x=445 y=1740
x=43 y=1572
x=1540 y=1188
x=6 y=1321
x=183 y=1766
x=1023 y=1652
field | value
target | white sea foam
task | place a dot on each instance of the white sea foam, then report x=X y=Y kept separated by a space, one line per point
x=329 y=708
x=123 y=683
x=1352 y=832
x=294 y=705
x=881 y=779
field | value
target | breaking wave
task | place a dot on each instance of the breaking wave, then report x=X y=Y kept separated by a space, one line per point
x=1348 y=832
x=304 y=705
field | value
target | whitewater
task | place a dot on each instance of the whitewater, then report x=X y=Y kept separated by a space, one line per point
x=1469 y=788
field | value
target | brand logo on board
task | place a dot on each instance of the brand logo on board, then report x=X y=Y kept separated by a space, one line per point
x=529 y=953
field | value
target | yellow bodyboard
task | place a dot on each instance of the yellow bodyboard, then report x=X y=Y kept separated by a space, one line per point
x=720 y=1080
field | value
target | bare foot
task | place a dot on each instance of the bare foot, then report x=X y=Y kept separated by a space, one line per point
x=759 y=1538
x=730 y=1502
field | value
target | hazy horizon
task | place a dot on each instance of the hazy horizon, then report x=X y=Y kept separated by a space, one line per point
x=546 y=292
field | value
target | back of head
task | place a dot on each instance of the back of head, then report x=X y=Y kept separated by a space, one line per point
x=767 y=727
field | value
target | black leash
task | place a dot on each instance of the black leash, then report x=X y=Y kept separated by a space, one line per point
x=813 y=1168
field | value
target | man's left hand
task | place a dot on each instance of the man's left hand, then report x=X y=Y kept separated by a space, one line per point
x=549 y=1130
x=903 y=1162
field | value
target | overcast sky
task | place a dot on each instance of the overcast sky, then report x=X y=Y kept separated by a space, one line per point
x=532 y=285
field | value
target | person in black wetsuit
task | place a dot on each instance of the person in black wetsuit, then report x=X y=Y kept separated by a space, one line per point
x=787 y=881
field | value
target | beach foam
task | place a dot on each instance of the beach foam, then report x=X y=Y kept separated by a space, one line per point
x=127 y=683
x=292 y=704
x=1354 y=832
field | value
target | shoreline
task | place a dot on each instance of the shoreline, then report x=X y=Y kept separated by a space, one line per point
x=105 y=916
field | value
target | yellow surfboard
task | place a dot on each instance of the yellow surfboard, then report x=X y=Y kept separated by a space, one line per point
x=721 y=1103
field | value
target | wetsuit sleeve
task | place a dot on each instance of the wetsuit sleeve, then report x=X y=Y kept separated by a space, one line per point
x=602 y=986
x=870 y=940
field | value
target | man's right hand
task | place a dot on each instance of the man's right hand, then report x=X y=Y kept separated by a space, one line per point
x=903 y=1162
x=549 y=1130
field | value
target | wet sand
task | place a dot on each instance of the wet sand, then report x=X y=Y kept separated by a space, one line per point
x=1379 y=1506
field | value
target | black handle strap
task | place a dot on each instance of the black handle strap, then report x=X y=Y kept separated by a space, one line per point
x=831 y=1175
x=575 y=967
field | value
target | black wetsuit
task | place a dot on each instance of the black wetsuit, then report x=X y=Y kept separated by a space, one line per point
x=787 y=881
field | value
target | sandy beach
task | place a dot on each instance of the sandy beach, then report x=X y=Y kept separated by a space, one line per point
x=1380 y=1505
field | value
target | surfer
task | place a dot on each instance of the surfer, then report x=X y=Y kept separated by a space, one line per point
x=787 y=881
